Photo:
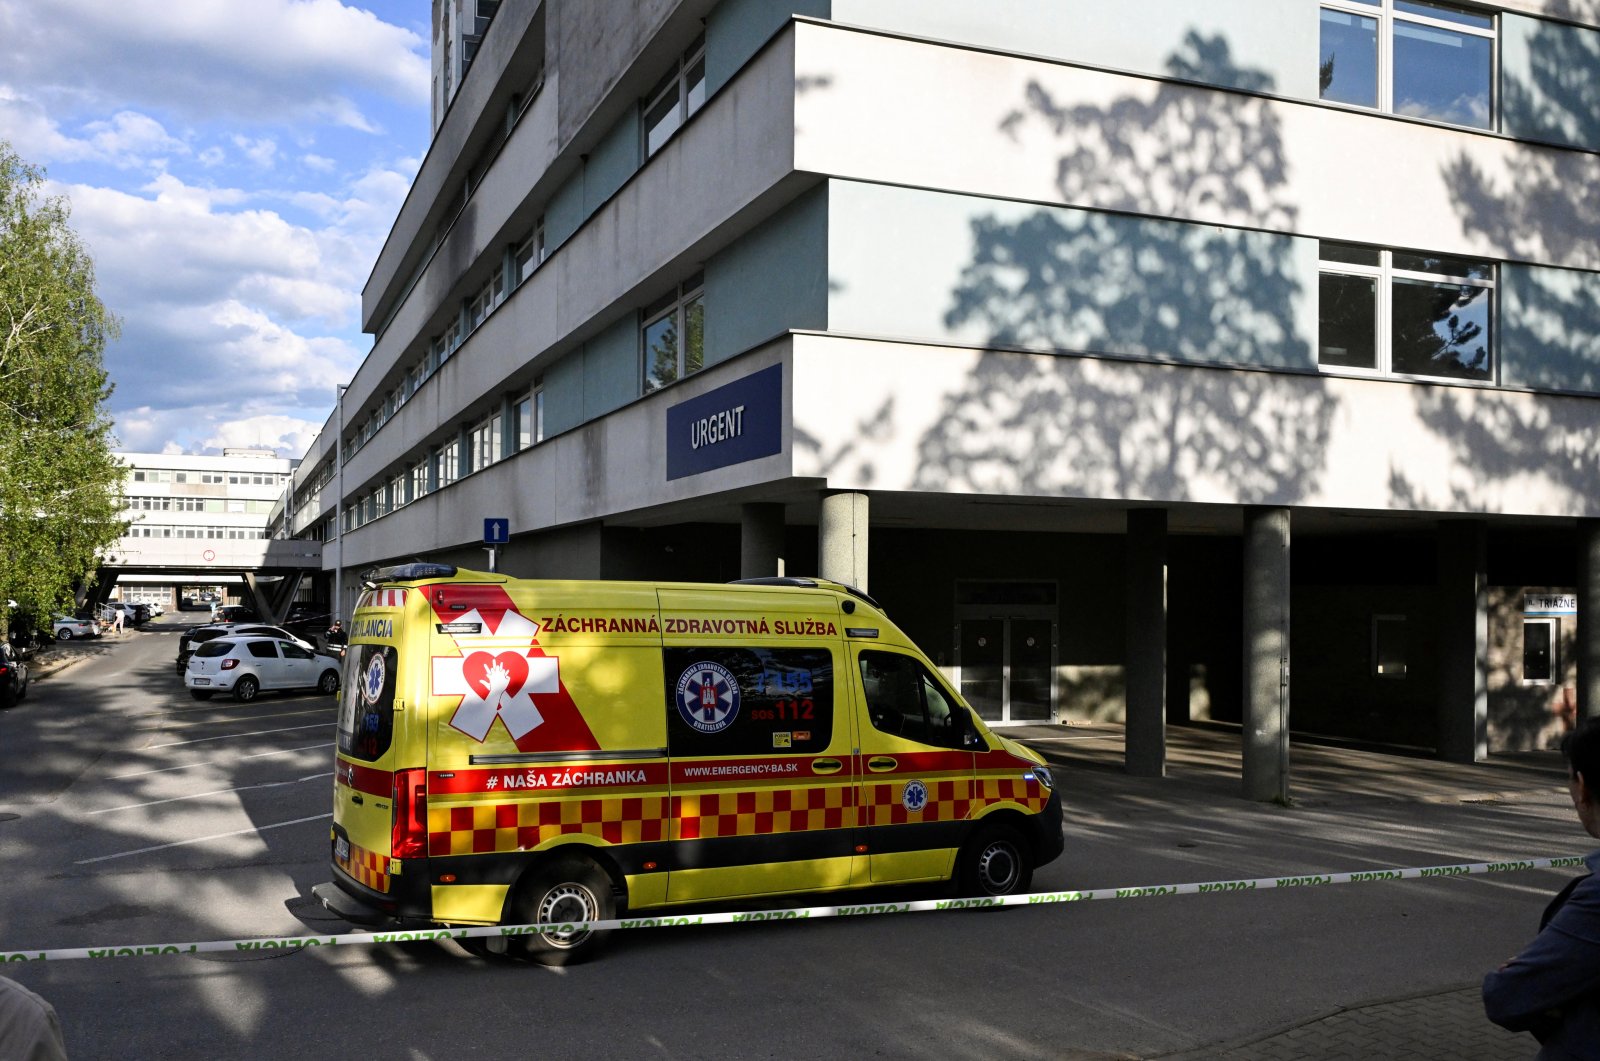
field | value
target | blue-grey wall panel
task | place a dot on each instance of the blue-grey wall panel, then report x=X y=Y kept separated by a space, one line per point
x=1265 y=45
x=564 y=213
x=931 y=265
x=1550 y=81
x=613 y=160
x=773 y=279
x=1550 y=328
x=611 y=368
x=737 y=29
x=563 y=394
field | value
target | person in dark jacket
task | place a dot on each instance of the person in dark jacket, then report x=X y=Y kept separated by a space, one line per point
x=1552 y=989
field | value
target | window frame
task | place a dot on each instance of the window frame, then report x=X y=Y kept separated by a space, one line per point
x=687 y=95
x=676 y=306
x=1387 y=14
x=1553 y=625
x=1385 y=275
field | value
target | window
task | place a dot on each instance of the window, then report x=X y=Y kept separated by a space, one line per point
x=1539 y=648
x=449 y=462
x=419 y=479
x=676 y=97
x=397 y=491
x=484 y=442
x=748 y=701
x=366 y=724
x=903 y=699
x=530 y=252
x=674 y=335
x=1424 y=60
x=529 y=413
x=1389 y=646
x=262 y=649
x=1405 y=313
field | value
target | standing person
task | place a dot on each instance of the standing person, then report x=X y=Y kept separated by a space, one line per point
x=29 y=1027
x=116 y=619
x=1552 y=989
x=336 y=638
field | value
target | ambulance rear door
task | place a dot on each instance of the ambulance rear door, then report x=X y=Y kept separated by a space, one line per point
x=373 y=741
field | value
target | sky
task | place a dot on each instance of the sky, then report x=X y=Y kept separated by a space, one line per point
x=233 y=167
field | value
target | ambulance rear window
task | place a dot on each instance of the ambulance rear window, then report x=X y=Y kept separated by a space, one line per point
x=749 y=701
x=366 y=704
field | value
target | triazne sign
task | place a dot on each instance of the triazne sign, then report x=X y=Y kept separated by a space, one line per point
x=737 y=422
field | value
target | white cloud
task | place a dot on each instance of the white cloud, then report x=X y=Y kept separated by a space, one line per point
x=294 y=59
x=285 y=434
x=263 y=152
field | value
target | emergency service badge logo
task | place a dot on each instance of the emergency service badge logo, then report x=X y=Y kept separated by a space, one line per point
x=708 y=697
x=372 y=679
x=914 y=796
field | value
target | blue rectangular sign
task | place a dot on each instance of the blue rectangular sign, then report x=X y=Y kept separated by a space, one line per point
x=737 y=422
x=496 y=531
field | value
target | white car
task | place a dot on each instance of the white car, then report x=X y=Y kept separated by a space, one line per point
x=248 y=666
x=66 y=627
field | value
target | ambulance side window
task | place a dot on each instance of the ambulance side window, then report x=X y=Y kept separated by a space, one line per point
x=748 y=701
x=905 y=700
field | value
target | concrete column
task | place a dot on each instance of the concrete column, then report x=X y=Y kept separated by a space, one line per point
x=1588 y=640
x=1462 y=715
x=842 y=539
x=1145 y=638
x=1266 y=653
x=761 y=540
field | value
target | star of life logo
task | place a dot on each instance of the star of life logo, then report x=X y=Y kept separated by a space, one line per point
x=496 y=685
x=914 y=796
x=708 y=697
x=372 y=678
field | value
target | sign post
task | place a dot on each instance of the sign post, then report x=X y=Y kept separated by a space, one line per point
x=496 y=532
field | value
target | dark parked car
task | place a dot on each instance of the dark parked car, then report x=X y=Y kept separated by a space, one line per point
x=234 y=613
x=141 y=613
x=306 y=621
x=13 y=676
x=193 y=639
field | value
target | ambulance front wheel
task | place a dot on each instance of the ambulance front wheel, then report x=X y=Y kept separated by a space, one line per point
x=996 y=861
x=565 y=893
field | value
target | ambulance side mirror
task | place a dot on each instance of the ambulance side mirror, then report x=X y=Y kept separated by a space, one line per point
x=970 y=738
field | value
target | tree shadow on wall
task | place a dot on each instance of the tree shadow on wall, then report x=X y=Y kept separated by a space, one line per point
x=1544 y=210
x=1063 y=281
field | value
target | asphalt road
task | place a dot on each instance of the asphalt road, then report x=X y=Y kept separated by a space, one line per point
x=144 y=817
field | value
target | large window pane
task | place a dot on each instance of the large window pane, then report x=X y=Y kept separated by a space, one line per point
x=694 y=325
x=1349 y=63
x=1441 y=330
x=1446 y=14
x=1442 y=75
x=1347 y=330
x=662 y=119
x=660 y=352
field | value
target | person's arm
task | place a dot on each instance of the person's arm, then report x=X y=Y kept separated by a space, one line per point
x=1561 y=965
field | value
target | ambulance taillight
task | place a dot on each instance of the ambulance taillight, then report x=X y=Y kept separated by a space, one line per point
x=409 y=836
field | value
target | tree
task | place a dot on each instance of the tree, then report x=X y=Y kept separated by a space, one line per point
x=60 y=486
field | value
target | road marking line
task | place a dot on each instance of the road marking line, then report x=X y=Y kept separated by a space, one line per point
x=213 y=762
x=220 y=721
x=201 y=839
x=231 y=736
x=213 y=792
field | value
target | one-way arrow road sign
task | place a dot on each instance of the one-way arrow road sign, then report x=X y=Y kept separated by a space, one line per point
x=496 y=531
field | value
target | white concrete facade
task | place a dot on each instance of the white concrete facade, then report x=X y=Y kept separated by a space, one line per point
x=1018 y=273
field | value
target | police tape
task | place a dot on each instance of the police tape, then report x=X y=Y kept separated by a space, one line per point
x=798 y=913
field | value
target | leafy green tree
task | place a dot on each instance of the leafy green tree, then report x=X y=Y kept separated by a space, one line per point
x=60 y=486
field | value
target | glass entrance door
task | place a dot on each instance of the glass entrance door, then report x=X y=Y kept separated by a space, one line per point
x=1008 y=667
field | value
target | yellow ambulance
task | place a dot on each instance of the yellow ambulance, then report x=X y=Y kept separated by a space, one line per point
x=514 y=751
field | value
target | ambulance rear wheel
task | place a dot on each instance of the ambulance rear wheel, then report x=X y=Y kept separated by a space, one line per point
x=996 y=861
x=565 y=893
